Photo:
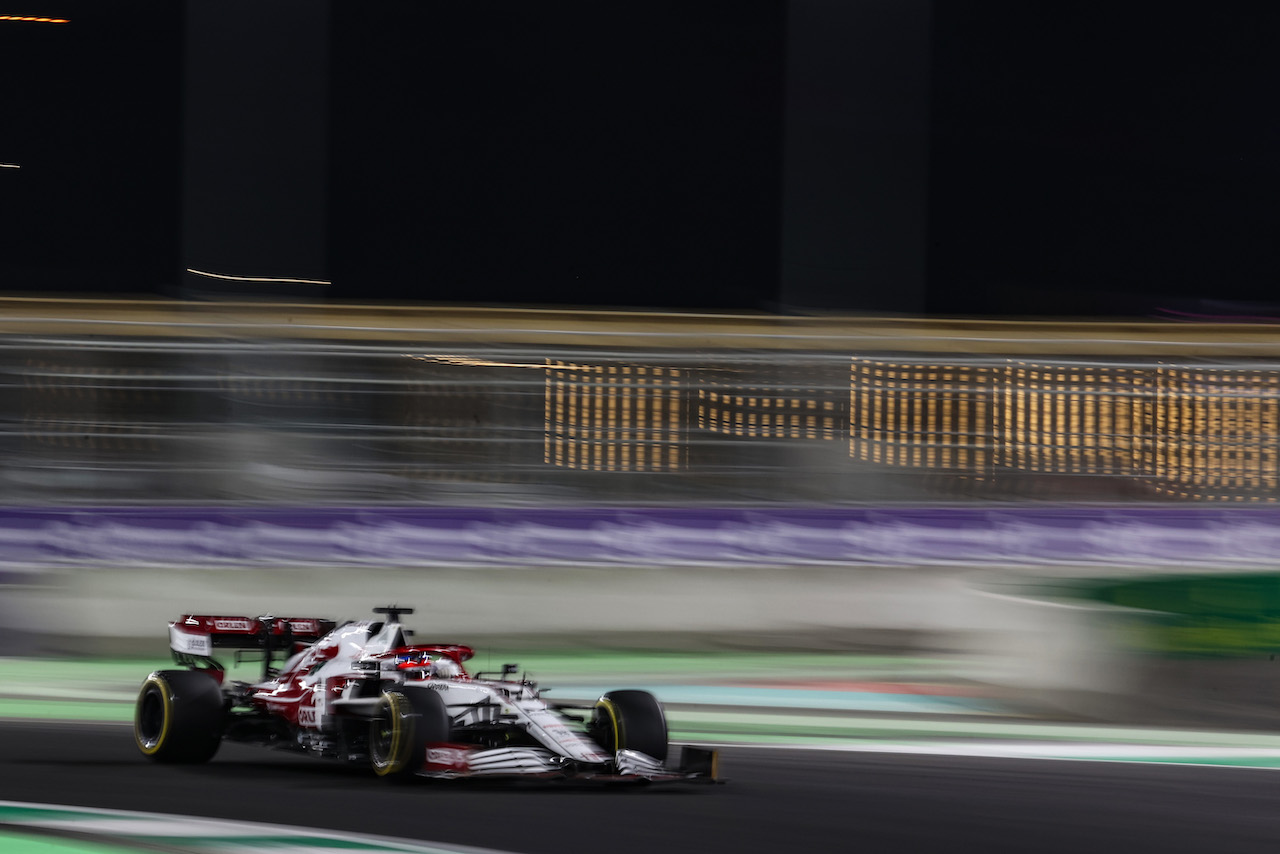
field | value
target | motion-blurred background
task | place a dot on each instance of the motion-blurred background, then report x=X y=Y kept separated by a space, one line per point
x=906 y=326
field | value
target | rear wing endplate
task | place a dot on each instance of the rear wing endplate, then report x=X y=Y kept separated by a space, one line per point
x=194 y=637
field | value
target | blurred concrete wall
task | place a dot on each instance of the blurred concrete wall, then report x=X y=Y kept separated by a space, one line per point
x=1049 y=657
x=126 y=610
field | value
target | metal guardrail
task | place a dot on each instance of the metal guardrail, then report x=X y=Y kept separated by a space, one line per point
x=606 y=330
x=145 y=402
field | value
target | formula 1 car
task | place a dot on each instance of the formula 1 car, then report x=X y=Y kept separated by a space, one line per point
x=361 y=692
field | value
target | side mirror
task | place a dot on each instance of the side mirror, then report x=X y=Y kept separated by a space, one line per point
x=509 y=670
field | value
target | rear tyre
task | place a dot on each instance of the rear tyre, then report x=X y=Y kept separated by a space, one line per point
x=630 y=720
x=405 y=723
x=179 y=717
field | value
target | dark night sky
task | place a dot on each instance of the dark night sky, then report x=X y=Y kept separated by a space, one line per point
x=1083 y=158
x=575 y=152
x=1094 y=157
x=90 y=113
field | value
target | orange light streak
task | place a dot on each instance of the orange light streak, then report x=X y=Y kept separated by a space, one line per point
x=34 y=20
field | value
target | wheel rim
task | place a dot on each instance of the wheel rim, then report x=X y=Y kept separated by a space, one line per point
x=382 y=741
x=608 y=726
x=150 y=723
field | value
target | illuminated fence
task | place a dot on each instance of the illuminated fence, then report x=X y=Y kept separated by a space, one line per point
x=922 y=415
x=615 y=417
x=140 y=418
x=1202 y=433
x=1213 y=434
x=759 y=402
x=1071 y=419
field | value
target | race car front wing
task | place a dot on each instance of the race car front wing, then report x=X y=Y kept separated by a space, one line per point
x=697 y=765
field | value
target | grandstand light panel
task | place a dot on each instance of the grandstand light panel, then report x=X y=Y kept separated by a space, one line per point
x=1070 y=419
x=1214 y=434
x=759 y=411
x=922 y=416
x=1196 y=434
x=615 y=417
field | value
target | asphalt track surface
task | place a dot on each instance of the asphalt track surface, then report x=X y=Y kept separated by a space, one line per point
x=776 y=800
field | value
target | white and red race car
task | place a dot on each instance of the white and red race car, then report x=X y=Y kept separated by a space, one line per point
x=361 y=692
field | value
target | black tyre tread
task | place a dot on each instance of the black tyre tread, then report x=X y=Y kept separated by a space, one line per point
x=631 y=720
x=192 y=713
x=433 y=715
x=420 y=717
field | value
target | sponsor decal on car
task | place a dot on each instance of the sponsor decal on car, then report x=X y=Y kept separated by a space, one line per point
x=447 y=758
x=233 y=625
x=308 y=716
x=304 y=627
x=181 y=641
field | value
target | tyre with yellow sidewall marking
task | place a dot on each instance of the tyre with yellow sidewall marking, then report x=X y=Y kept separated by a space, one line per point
x=404 y=724
x=179 y=717
x=630 y=720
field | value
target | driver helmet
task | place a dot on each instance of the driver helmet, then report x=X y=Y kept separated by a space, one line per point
x=412 y=661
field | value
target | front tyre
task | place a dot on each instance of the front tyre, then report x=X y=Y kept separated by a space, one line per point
x=401 y=729
x=630 y=720
x=179 y=717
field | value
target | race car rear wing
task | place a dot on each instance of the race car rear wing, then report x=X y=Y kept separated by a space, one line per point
x=194 y=637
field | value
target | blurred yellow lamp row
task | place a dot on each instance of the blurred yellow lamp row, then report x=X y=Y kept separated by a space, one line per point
x=1188 y=433
x=1197 y=434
